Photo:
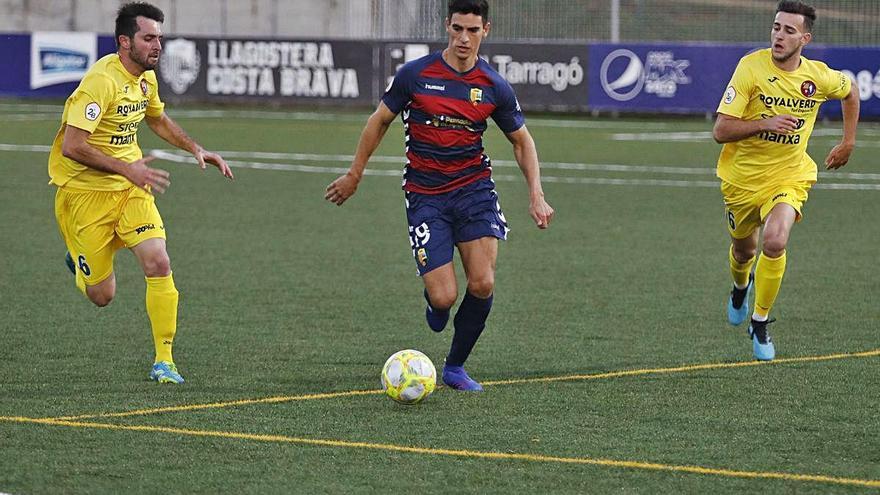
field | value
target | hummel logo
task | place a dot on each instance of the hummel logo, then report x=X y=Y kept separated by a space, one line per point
x=435 y=87
x=773 y=79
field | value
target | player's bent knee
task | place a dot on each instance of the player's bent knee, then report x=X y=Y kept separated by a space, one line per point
x=443 y=301
x=99 y=297
x=744 y=255
x=774 y=246
x=482 y=288
x=157 y=266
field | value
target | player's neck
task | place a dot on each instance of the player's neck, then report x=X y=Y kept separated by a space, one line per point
x=130 y=65
x=789 y=65
x=458 y=64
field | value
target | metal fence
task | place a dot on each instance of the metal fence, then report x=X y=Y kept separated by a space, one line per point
x=846 y=22
x=842 y=22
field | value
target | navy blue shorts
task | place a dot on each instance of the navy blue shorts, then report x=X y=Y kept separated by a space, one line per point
x=438 y=221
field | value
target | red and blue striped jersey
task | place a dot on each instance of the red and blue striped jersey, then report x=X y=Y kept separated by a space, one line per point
x=444 y=116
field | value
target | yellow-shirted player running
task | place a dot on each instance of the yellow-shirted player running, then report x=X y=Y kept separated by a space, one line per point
x=104 y=200
x=765 y=120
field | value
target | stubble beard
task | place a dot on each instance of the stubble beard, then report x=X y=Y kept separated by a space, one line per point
x=143 y=61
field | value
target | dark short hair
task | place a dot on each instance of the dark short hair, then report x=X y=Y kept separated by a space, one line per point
x=126 y=18
x=476 y=7
x=795 y=7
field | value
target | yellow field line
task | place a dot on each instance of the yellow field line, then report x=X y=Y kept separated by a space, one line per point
x=680 y=369
x=515 y=381
x=650 y=466
x=217 y=405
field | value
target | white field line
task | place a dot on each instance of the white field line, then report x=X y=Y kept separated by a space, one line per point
x=181 y=157
x=294 y=167
x=703 y=135
x=43 y=112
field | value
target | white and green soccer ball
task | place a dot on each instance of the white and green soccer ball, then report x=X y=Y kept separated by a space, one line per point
x=408 y=376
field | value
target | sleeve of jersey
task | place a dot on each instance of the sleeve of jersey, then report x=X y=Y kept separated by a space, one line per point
x=736 y=96
x=89 y=102
x=838 y=85
x=508 y=114
x=399 y=92
x=155 y=107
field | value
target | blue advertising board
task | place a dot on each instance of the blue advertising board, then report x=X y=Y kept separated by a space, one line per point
x=48 y=64
x=636 y=77
x=690 y=78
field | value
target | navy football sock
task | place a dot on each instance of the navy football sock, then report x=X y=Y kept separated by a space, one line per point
x=470 y=320
x=437 y=318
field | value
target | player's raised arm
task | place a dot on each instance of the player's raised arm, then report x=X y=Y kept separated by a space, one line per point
x=526 y=155
x=839 y=155
x=345 y=185
x=171 y=132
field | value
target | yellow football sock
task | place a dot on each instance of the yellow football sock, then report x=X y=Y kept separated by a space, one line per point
x=162 y=310
x=740 y=272
x=768 y=278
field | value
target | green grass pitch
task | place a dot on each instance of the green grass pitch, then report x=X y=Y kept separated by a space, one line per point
x=286 y=296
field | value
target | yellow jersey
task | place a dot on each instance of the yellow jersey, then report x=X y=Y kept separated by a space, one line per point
x=110 y=104
x=760 y=90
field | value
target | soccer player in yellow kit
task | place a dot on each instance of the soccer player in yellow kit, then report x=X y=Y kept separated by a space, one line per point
x=105 y=190
x=765 y=120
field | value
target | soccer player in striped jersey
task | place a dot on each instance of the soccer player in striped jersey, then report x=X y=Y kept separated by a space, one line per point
x=445 y=99
x=765 y=120
x=104 y=200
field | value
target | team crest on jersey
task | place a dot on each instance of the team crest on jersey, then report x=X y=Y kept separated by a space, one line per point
x=422 y=255
x=144 y=87
x=808 y=88
x=476 y=96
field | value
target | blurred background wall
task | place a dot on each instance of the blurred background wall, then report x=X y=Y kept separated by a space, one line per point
x=841 y=22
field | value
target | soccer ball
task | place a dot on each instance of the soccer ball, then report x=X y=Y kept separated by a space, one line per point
x=408 y=376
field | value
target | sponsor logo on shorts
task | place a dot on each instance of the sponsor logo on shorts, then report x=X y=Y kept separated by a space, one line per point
x=144 y=228
x=422 y=256
x=780 y=195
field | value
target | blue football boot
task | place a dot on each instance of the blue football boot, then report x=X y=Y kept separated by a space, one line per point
x=738 y=303
x=165 y=372
x=762 y=344
x=456 y=377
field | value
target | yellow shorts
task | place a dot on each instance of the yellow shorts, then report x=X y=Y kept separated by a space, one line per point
x=746 y=210
x=95 y=224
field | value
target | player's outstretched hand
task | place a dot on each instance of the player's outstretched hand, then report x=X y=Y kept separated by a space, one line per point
x=838 y=156
x=204 y=156
x=541 y=212
x=147 y=178
x=342 y=188
x=782 y=124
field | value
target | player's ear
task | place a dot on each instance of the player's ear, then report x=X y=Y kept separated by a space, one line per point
x=808 y=37
x=124 y=41
x=486 y=28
